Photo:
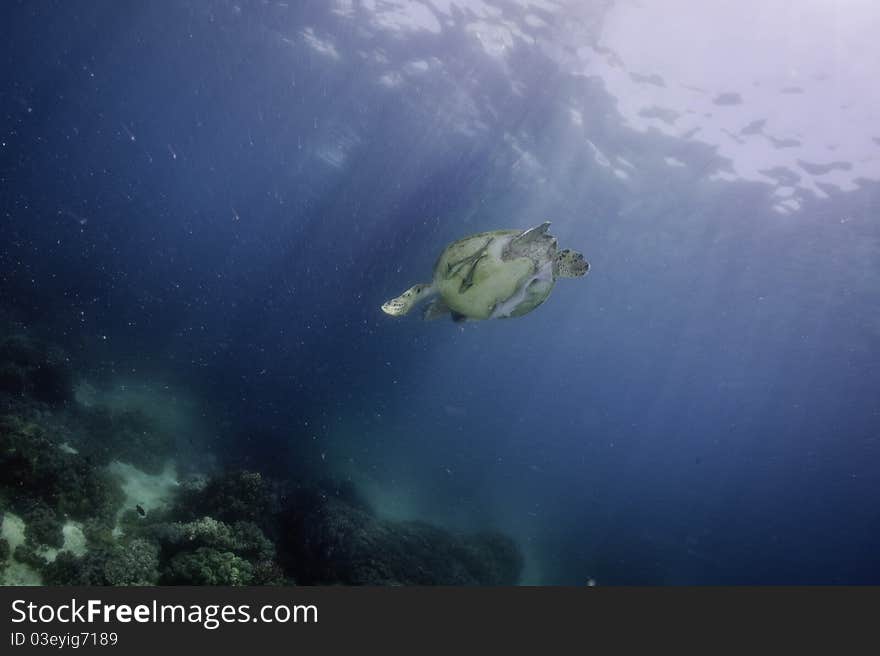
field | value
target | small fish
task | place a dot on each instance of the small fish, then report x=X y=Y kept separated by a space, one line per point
x=141 y=511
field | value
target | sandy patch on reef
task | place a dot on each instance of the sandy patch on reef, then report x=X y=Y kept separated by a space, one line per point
x=16 y=573
x=150 y=492
x=13 y=531
x=74 y=542
x=74 y=539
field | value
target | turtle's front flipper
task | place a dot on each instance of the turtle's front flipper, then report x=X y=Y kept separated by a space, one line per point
x=468 y=281
x=399 y=306
x=473 y=259
x=533 y=243
x=452 y=268
x=531 y=234
x=436 y=309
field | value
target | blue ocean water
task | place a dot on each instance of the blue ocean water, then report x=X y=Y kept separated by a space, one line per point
x=208 y=202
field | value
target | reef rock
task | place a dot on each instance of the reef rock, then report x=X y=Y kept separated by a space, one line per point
x=329 y=541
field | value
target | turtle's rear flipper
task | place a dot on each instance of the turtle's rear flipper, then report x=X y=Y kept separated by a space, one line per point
x=436 y=309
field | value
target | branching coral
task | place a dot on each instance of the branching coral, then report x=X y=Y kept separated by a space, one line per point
x=133 y=563
x=27 y=554
x=34 y=468
x=4 y=553
x=42 y=526
x=238 y=496
x=206 y=566
x=136 y=563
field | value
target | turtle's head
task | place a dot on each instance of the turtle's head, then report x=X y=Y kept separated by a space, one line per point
x=399 y=306
x=570 y=264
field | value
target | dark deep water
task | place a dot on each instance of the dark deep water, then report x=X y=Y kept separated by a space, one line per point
x=215 y=198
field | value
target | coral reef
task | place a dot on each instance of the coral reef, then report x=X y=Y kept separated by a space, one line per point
x=206 y=566
x=93 y=501
x=234 y=496
x=329 y=540
x=43 y=526
x=199 y=549
x=136 y=563
x=4 y=553
x=242 y=538
x=27 y=554
x=34 y=469
x=268 y=572
x=133 y=562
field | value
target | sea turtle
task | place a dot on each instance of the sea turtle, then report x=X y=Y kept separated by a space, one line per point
x=493 y=275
